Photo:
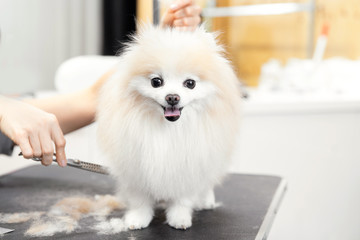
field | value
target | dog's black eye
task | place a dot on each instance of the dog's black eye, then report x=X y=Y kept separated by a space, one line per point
x=157 y=82
x=189 y=83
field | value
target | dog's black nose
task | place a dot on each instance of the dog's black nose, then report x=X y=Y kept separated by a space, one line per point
x=172 y=99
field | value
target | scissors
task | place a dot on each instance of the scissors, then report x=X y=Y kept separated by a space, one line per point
x=92 y=167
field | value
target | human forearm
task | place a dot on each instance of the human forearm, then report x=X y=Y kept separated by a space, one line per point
x=73 y=111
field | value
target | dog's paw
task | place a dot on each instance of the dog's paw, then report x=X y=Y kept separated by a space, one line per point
x=207 y=202
x=137 y=219
x=181 y=224
x=209 y=205
x=179 y=217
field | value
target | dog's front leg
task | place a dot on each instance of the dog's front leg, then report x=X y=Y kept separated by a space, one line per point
x=140 y=212
x=206 y=201
x=179 y=214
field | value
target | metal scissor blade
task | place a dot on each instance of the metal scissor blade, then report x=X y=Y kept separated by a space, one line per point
x=92 y=167
x=5 y=230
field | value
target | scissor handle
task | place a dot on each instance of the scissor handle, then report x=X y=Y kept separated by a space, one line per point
x=38 y=159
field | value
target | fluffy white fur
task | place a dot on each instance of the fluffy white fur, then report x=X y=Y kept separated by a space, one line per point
x=155 y=159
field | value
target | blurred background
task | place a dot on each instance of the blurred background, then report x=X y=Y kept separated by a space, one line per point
x=298 y=62
x=253 y=40
x=38 y=35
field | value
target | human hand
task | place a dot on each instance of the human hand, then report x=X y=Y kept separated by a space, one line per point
x=183 y=15
x=35 y=131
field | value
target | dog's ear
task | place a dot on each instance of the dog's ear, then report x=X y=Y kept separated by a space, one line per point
x=143 y=27
x=210 y=38
x=144 y=30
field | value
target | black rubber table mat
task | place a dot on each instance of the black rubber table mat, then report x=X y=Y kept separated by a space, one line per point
x=245 y=203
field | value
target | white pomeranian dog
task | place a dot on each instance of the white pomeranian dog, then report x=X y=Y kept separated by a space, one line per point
x=168 y=120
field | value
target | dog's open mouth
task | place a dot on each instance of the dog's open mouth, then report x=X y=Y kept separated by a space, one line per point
x=172 y=113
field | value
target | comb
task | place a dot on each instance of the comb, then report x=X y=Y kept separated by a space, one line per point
x=76 y=163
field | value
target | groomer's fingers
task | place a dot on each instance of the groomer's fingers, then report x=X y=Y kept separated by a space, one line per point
x=35 y=145
x=60 y=143
x=22 y=140
x=188 y=12
x=185 y=29
x=181 y=9
x=47 y=148
x=180 y=4
x=191 y=21
x=180 y=14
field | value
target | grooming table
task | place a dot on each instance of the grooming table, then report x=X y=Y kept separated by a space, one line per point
x=249 y=204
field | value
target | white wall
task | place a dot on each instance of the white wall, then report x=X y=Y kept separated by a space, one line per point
x=314 y=145
x=37 y=35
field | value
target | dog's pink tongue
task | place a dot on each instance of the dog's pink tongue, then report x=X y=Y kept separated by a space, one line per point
x=172 y=112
